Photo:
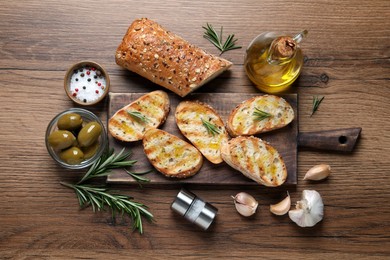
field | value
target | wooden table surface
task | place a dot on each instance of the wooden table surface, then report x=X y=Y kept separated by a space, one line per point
x=347 y=61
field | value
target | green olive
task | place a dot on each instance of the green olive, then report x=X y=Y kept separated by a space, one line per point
x=72 y=155
x=61 y=139
x=89 y=134
x=71 y=121
x=90 y=151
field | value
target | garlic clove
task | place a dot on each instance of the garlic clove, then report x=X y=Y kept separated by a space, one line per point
x=318 y=172
x=245 y=204
x=309 y=211
x=282 y=207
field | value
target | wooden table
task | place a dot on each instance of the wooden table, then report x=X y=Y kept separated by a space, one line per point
x=347 y=61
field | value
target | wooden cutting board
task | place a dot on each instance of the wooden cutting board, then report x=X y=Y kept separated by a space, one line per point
x=285 y=140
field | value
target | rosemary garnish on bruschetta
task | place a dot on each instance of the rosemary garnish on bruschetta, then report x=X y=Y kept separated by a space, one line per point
x=260 y=114
x=211 y=128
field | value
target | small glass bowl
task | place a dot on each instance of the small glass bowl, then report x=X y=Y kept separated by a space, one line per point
x=87 y=117
x=88 y=90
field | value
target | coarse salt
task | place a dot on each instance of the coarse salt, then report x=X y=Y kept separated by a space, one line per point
x=87 y=84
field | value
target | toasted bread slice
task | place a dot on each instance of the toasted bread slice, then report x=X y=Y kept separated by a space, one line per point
x=256 y=159
x=194 y=120
x=170 y=155
x=258 y=115
x=130 y=122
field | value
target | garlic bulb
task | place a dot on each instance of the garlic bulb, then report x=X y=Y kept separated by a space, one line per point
x=318 y=172
x=309 y=211
x=282 y=207
x=245 y=204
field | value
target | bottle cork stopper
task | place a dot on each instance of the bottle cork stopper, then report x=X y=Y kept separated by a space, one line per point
x=285 y=47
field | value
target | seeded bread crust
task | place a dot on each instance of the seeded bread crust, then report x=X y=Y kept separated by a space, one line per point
x=170 y=155
x=154 y=106
x=189 y=115
x=166 y=59
x=255 y=159
x=242 y=121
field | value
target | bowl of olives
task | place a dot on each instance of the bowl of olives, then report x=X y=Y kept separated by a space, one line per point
x=76 y=138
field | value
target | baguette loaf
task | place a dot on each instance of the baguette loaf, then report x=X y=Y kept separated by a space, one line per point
x=170 y=155
x=246 y=118
x=255 y=159
x=166 y=59
x=191 y=118
x=130 y=122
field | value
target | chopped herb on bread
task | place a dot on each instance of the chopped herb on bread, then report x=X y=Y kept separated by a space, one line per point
x=129 y=123
x=258 y=115
x=203 y=127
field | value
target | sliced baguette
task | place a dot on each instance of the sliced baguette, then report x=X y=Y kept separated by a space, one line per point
x=256 y=159
x=189 y=116
x=166 y=59
x=242 y=120
x=170 y=155
x=154 y=107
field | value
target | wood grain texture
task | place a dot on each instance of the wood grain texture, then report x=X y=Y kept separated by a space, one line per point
x=347 y=60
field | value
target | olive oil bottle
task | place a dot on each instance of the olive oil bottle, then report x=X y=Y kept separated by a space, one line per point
x=274 y=61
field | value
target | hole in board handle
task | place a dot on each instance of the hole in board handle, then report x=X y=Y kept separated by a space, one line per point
x=343 y=139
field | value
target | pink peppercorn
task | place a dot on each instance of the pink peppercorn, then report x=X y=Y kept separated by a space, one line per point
x=99 y=84
x=74 y=94
x=88 y=72
x=97 y=91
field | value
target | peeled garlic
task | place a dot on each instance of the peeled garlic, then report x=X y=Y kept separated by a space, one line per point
x=318 y=172
x=282 y=207
x=245 y=204
x=309 y=211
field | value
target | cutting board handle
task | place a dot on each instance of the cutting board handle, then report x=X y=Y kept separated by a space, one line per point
x=342 y=140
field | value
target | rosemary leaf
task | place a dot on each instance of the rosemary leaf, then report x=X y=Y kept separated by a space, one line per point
x=316 y=103
x=216 y=39
x=138 y=116
x=260 y=114
x=211 y=128
x=138 y=176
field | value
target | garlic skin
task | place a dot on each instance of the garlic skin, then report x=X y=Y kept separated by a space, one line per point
x=309 y=211
x=245 y=204
x=282 y=207
x=318 y=172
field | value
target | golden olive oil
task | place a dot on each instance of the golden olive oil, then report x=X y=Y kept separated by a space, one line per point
x=273 y=62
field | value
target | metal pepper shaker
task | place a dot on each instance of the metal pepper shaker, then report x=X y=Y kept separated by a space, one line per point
x=194 y=209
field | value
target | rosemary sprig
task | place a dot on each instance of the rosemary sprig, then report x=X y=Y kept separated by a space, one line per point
x=211 y=128
x=138 y=116
x=99 y=199
x=316 y=103
x=102 y=167
x=216 y=39
x=260 y=114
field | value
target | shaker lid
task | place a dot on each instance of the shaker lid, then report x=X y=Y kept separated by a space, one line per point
x=183 y=202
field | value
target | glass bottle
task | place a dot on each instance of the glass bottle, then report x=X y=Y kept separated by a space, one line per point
x=273 y=61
